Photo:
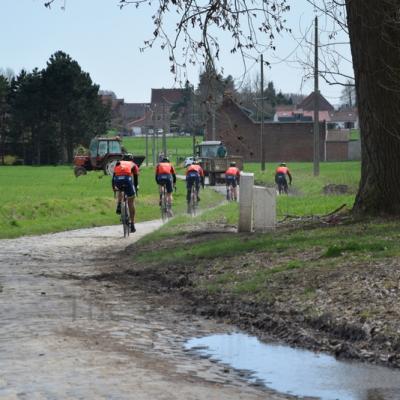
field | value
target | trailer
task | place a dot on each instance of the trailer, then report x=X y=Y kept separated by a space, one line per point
x=214 y=166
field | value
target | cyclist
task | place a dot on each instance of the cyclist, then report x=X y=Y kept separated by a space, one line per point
x=232 y=177
x=126 y=178
x=165 y=175
x=194 y=176
x=280 y=176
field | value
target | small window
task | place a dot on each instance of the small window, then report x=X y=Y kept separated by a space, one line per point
x=93 y=148
x=114 y=147
x=102 y=148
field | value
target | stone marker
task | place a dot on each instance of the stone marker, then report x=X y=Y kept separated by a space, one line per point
x=246 y=202
x=264 y=200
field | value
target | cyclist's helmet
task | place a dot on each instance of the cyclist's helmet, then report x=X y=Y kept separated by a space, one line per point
x=127 y=157
x=283 y=164
x=232 y=163
x=165 y=159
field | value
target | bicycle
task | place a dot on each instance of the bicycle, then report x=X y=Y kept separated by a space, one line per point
x=164 y=206
x=230 y=192
x=282 y=186
x=193 y=202
x=125 y=216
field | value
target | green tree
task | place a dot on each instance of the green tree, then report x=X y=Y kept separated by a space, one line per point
x=74 y=107
x=4 y=114
x=210 y=92
x=249 y=97
x=28 y=116
x=54 y=110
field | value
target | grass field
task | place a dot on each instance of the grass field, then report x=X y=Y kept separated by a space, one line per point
x=307 y=190
x=37 y=200
x=306 y=198
x=178 y=148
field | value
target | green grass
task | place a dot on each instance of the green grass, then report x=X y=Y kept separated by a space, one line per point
x=45 y=199
x=244 y=264
x=37 y=200
x=308 y=198
x=355 y=134
x=178 y=148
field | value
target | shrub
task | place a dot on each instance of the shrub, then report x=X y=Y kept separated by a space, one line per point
x=9 y=159
x=81 y=151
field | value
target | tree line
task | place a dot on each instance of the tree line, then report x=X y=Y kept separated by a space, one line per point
x=45 y=114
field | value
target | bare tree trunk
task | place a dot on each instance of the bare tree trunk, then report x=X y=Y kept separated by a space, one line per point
x=375 y=39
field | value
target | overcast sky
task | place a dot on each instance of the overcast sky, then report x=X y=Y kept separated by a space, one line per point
x=105 y=41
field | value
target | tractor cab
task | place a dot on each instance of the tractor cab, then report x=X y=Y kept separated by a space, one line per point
x=208 y=149
x=215 y=160
x=101 y=149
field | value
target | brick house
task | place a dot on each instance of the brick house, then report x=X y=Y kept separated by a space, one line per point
x=339 y=123
x=289 y=141
x=344 y=119
x=304 y=111
x=124 y=114
x=162 y=100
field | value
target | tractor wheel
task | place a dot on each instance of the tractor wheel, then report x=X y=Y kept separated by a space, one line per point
x=78 y=171
x=109 y=166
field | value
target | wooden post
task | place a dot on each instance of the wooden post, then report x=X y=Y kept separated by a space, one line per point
x=316 y=104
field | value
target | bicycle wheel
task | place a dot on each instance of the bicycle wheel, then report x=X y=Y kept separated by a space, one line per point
x=233 y=198
x=193 y=201
x=125 y=217
x=229 y=193
x=164 y=205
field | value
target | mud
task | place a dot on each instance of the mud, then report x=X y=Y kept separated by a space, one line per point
x=74 y=325
x=353 y=312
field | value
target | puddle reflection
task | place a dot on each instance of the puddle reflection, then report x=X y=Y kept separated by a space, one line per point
x=300 y=372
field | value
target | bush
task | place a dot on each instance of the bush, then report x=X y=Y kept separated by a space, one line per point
x=9 y=159
x=81 y=151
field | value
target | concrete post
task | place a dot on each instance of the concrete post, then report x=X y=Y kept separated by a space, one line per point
x=264 y=200
x=246 y=202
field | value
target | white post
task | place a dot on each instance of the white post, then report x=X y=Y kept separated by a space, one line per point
x=246 y=202
x=264 y=200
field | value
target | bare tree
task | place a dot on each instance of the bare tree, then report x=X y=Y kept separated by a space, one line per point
x=348 y=97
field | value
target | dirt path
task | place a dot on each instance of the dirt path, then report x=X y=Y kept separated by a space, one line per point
x=66 y=335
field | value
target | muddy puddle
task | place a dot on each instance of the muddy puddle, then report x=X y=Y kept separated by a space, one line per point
x=298 y=372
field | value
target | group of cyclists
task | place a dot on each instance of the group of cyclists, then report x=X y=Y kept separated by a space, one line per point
x=126 y=179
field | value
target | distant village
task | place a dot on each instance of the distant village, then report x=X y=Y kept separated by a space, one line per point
x=288 y=129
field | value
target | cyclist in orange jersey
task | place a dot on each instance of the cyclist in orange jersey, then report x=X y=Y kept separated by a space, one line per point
x=194 y=176
x=126 y=178
x=232 y=177
x=281 y=172
x=166 y=175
